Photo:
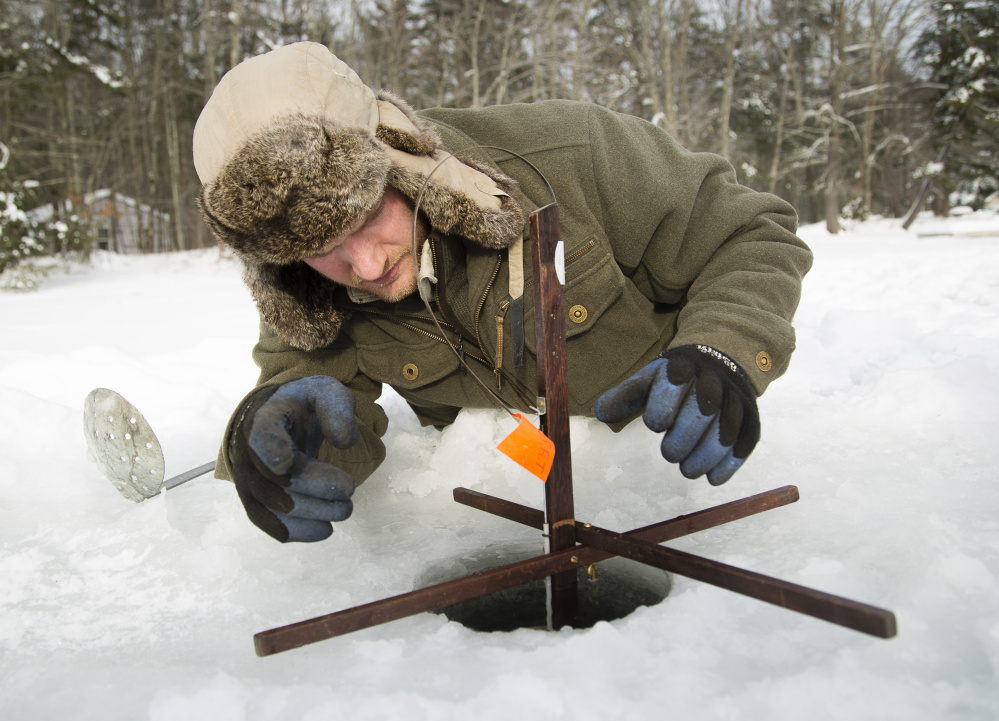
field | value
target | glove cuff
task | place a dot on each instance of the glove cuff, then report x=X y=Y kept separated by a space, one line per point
x=705 y=354
x=240 y=429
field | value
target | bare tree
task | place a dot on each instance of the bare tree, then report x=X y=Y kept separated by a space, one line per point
x=733 y=31
x=816 y=94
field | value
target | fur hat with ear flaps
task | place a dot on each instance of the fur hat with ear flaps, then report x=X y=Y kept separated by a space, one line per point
x=292 y=148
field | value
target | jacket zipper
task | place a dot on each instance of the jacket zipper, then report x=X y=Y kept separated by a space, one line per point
x=482 y=302
x=498 y=363
x=458 y=345
x=433 y=259
x=580 y=251
x=426 y=319
x=501 y=313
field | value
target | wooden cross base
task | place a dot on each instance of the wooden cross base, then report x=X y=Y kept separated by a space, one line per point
x=572 y=544
x=597 y=544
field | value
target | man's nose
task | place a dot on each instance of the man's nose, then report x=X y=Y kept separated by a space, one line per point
x=366 y=257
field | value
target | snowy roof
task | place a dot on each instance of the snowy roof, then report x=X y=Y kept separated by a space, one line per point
x=43 y=213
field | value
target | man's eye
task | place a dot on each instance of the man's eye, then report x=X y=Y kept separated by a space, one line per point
x=324 y=251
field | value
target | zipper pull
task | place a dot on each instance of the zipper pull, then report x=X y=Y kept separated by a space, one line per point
x=498 y=362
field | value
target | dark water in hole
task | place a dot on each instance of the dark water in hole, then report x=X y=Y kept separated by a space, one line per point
x=620 y=587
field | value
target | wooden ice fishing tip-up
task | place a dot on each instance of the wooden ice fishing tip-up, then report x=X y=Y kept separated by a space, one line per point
x=573 y=544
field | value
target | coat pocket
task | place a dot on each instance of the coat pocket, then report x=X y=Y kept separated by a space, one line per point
x=403 y=358
x=610 y=326
x=593 y=282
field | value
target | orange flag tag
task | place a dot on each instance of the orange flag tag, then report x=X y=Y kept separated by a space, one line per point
x=530 y=448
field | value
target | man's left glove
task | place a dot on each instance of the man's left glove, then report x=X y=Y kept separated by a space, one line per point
x=703 y=402
x=286 y=491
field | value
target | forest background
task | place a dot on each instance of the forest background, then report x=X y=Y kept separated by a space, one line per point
x=846 y=108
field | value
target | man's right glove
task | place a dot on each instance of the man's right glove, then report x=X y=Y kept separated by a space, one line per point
x=274 y=448
x=703 y=402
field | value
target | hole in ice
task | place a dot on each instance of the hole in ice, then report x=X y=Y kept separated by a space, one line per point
x=149 y=445
x=133 y=477
x=136 y=459
x=111 y=436
x=122 y=457
x=620 y=587
x=128 y=436
x=132 y=421
x=110 y=419
x=152 y=470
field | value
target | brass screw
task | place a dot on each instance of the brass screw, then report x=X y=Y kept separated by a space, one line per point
x=574 y=559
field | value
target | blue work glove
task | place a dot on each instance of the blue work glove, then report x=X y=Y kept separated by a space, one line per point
x=285 y=489
x=701 y=400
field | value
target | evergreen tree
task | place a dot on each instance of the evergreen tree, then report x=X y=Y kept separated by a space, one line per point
x=44 y=123
x=962 y=51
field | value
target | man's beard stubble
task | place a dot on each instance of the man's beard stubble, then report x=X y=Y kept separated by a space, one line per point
x=405 y=283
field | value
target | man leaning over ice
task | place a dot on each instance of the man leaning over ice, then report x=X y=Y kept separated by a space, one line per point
x=680 y=283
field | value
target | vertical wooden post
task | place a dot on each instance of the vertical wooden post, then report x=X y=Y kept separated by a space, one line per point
x=549 y=324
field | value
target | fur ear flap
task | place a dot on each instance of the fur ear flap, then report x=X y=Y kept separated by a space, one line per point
x=297 y=302
x=417 y=139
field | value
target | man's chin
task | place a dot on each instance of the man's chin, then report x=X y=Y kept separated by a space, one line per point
x=394 y=292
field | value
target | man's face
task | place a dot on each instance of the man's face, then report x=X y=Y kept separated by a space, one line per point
x=375 y=253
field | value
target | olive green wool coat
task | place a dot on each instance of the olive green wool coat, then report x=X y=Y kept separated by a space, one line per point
x=663 y=248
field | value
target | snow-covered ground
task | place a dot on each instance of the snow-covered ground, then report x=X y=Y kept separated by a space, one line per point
x=886 y=422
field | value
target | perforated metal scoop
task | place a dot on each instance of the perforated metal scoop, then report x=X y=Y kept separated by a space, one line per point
x=121 y=443
x=124 y=447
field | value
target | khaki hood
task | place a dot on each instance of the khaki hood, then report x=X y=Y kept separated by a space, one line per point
x=292 y=148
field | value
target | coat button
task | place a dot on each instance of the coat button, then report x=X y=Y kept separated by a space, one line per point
x=763 y=361
x=577 y=314
x=410 y=371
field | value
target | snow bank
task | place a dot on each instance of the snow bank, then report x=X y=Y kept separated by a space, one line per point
x=886 y=422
